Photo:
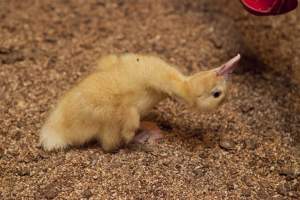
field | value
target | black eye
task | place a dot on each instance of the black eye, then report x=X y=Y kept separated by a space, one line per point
x=216 y=94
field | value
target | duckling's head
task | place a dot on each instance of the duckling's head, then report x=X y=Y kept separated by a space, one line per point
x=208 y=89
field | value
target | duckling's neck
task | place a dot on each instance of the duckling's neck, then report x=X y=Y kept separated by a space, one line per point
x=174 y=85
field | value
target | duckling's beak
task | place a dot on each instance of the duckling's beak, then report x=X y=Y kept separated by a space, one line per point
x=228 y=67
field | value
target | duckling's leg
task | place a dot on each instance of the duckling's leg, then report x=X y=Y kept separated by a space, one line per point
x=110 y=138
x=148 y=132
x=131 y=123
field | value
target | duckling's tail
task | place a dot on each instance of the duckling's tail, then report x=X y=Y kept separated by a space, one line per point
x=107 y=62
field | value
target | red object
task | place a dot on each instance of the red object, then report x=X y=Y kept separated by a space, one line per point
x=269 y=7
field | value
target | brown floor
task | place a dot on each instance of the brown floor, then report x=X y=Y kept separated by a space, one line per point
x=248 y=149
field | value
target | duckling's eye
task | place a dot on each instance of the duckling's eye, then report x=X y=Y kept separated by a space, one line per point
x=216 y=93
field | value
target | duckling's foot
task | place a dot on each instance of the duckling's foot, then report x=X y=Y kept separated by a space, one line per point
x=148 y=132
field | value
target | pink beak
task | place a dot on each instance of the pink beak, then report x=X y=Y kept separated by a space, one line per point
x=229 y=66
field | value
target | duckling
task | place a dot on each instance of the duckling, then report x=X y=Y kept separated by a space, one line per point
x=109 y=104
